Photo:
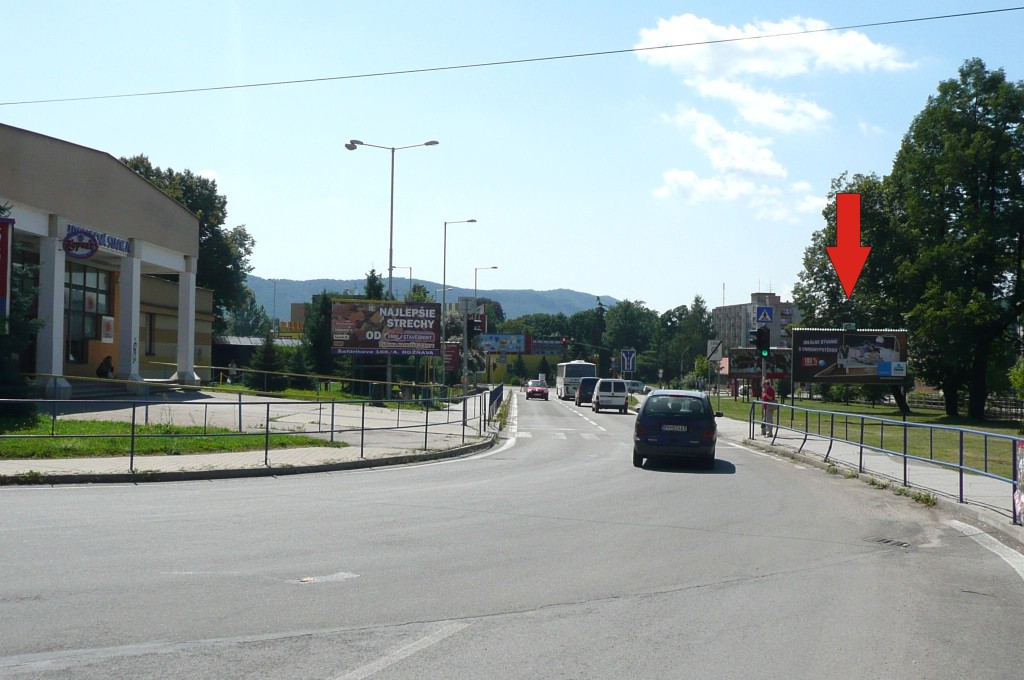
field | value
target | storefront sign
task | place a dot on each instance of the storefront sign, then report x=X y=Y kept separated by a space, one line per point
x=80 y=245
x=103 y=241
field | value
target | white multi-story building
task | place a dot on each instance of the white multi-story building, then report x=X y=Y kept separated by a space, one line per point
x=733 y=323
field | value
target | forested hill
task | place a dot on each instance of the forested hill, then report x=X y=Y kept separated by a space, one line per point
x=515 y=303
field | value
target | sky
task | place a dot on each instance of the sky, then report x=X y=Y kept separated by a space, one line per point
x=653 y=175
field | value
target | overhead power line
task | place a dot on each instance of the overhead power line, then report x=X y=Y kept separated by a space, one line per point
x=509 y=62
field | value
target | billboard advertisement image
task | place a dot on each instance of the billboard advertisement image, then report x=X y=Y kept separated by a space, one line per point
x=386 y=328
x=824 y=355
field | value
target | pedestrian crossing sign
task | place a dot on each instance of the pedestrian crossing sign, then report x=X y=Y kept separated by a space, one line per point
x=764 y=314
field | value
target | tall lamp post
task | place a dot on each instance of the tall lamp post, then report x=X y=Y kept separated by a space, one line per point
x=444 y=286
x=475 y=270
x=354 y=144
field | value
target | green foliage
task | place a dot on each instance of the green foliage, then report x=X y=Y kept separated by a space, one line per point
x=266 y=364
x=248 y=319
x=317 y=339
x=223 y=253
x=947 y=248
x=418 y=293
x=374 y=289
x=297 y=366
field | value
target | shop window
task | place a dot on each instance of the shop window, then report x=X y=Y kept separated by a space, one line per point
x=87 y=298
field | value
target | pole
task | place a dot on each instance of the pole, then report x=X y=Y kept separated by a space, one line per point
x=391 y=255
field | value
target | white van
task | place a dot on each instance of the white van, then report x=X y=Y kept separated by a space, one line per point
x=610 y=393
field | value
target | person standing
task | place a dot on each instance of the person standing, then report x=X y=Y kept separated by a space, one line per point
x=767 y=408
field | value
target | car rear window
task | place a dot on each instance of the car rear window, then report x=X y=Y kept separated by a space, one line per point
x=676 y=406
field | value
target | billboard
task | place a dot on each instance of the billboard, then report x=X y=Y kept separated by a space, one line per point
x=745 y=362
x=831 y=355
x=494 y=344
x=386 y=328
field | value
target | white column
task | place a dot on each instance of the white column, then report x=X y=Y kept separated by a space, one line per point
x=129 y=318
x=50 y=340
x=187 y=325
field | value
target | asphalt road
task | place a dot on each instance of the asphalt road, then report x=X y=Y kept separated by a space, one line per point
x=552 y=557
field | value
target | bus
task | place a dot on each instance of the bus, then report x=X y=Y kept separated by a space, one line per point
x=568 y=377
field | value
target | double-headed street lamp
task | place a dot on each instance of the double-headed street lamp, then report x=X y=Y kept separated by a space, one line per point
x=354 y=144
x=444 y=274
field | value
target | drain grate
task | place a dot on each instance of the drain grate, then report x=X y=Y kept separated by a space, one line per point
x=888 y=541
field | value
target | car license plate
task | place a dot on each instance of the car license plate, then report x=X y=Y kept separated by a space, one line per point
x=673 y=428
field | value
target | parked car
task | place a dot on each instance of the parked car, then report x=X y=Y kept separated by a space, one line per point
x=585 y=391
x=537 y=389
x=610 y=393
x=677 y=424
x=637 y=387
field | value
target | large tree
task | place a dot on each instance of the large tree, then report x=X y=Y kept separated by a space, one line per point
x=248 y=319
x=223 y=253
x=958 y=197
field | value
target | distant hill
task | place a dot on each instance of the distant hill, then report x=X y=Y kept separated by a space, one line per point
x=516 y=303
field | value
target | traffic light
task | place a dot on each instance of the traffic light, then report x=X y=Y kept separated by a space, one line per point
x=752 y=337
x=764 y=340
x=474 y=327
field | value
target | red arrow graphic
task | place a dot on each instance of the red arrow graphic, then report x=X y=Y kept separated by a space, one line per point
x=848 y=255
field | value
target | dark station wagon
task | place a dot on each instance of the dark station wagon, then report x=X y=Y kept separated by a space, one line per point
x=676 y=424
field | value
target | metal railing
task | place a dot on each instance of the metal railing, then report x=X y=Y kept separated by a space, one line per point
x=969 y=456
x=426 y=424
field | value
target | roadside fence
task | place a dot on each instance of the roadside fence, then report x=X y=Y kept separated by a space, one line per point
x=403 y=424
x=977 y=467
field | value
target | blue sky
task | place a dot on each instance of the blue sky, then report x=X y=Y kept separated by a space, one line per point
x=652 y=176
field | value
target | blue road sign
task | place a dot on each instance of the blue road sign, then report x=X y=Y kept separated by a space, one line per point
x=629 y=360
x=764 y=314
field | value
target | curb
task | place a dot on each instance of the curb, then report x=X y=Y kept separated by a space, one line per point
x=146 y=476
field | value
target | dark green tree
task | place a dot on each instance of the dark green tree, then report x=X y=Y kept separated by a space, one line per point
x=374 y=289
x=248 y=319
x=267 y=365
x=223 y=253
x=958 y=197
x=299 y=369
x=418 y=293
x=317 y=339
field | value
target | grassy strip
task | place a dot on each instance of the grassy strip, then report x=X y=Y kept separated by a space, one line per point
x=97 y=438
x=942 y=445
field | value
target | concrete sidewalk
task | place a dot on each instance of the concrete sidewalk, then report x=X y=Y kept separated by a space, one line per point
x=164 y=468
x=386 y=446
x=983 y=499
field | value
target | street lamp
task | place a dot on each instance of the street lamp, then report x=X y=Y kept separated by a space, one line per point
x=444 y=274
x=475 y=270
x=354 y=144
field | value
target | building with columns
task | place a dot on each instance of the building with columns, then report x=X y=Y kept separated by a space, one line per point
x=106 y=246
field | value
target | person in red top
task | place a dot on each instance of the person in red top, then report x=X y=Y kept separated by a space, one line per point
x=767 y=408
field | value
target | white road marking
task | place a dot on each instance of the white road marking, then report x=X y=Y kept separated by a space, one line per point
x=525 y=435
x=1010 y=556
x=590 y=436
x=399 y=654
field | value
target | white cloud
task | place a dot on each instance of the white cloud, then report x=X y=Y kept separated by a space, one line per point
x=687 y=183
x=730 y=151
x=869 y=129
x=747 y=54
x=764 y=107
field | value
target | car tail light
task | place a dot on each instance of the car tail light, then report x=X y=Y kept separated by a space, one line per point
x=639 y=430
x=708 y=434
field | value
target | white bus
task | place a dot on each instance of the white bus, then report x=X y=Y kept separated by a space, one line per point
x=568 y=377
